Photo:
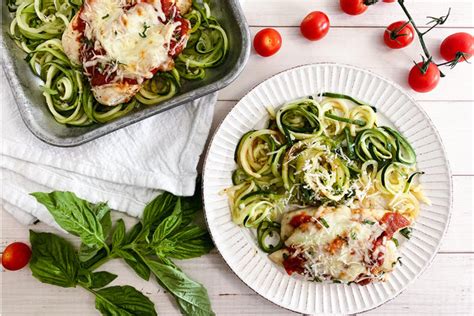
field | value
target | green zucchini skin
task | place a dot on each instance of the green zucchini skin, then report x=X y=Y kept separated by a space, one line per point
x=315 y=154
x=67 y=91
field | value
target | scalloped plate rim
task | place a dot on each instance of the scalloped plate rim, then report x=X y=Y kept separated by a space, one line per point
x=426 y=264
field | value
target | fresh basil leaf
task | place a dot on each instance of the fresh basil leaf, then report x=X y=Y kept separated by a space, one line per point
x=138 y=266
x=86 y=253
x=119 y=234
x=406 y=232
x=101 y=279
x=53 y=260
x=133 y=233
x=75 y=215
x=164 y=248
x=124 y=254
x=191 y=242
x=190 y=206
x=169 y=224
x=158 y=209
x=101 y=254
x=191 y=296
x=123 y=300
x=95 y=280
x=84 y=278
x=192 y=202
x=102 y=211
x=143 y=236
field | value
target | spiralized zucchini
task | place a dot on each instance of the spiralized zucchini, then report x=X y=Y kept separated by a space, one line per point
x=37 y=28
x=207 y=45
x=322 y=153
x=300 y=119
x=36 y=21
x=161 y=87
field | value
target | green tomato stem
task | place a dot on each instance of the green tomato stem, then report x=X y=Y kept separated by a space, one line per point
x=420 y=34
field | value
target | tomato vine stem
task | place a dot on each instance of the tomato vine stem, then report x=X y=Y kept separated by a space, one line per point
x=420 y=34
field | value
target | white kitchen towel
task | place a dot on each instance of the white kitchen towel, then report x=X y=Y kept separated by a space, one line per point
x=126 y=168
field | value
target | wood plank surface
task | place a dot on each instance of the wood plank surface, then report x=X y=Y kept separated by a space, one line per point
x=359 y=47
x=291 y=12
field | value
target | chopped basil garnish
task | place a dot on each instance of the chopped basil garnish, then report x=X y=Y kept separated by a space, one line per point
x=105 y=16
x=353 y=235
x=323 y=221
x=406 y=232
x=368 y=222
x=399 y=260
x=145 y=28
x=87 y=41
x=395 y=241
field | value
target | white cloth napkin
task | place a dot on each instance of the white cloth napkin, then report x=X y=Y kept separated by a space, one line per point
x=126 y=168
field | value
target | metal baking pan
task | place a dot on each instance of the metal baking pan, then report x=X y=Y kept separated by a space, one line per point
x=40 y=122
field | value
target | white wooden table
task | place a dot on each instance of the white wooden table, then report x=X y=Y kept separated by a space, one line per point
x=445 y=288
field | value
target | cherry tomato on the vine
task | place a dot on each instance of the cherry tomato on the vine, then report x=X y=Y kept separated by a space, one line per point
x=457 y=42
x=424 y=82
x=315 y=25
x=16 y=256
x=354 y=7
x=267 y=42
x=398 y=35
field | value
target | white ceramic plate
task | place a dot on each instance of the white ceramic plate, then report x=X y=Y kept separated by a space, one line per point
x=239 y=247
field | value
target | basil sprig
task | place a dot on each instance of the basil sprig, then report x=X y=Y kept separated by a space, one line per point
x=165 y=231
x=55 y=261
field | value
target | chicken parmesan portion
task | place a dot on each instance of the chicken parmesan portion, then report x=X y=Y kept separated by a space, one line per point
x=122 y=43
x=340 y=244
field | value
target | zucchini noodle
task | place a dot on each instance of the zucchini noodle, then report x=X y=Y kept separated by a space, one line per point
x=300 y=119
x=333 y=106
x=36 y=21
x=63 y=86
x=269 y=229
x=256 y=152
x=207 y=46
x=37 y=27
x=161 y=87
x=325 y=153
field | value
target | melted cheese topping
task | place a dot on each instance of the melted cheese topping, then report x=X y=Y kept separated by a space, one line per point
x=134 y=40
x=358 y=228
x=71 y=42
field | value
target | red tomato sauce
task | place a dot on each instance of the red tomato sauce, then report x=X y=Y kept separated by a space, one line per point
x=98 y=77
x=294 y=263
x=176 y=45
x=297 y=220
x=393 y=222
x=80 y=24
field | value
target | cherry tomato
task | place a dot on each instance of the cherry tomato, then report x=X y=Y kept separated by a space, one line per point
x=16 y=256
x=423 y=82
x=353 y=7
x=315 y=26
x=267 y=42
x=389 y=1
x=457 y=42
x=398 y=36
